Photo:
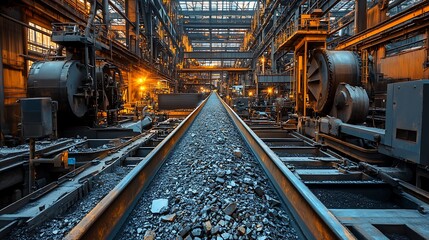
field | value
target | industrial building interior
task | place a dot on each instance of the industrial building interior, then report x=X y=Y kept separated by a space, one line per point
x=348 y=78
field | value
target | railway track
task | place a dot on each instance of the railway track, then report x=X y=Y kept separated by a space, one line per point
x=210 y=190
x=213 y=188
x=56 y=197
x=329 y=197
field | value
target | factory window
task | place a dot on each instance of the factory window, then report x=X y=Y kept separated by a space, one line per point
x=40 y=41
x=29 y=63
x=405 y=45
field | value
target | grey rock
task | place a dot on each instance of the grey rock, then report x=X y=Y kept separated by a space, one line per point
x=139 y=230
x=159 y=205
x=226 y=235
x=247 y=180
x=258 y=190
x=205 y=210
x=230 y=209
x=185 y=231
x=197 y=232
x=207 y=226
x=220 y=180
x=221 y=223
x=237 y=153
x=273 y=202
x=169 y=217
x=215 y=230
x=272 y=213
x=149 y=235
x=241 y=230
x=232 y=183
x=265 y=221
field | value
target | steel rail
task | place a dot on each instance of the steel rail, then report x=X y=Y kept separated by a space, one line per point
x=107 y=217
x=18 y=158
x=314 y=219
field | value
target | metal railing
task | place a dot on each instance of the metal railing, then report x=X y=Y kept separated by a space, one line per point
x=306 y=24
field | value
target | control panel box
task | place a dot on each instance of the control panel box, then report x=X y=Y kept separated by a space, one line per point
x=407 y=121
x=36 y=117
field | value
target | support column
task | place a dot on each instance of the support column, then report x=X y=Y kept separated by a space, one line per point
x=273 y=49
x=210 y=28
x=427 y=46
x=32 y=176
x=254 y=77
x=148 y=22
x=273 y=61
x=137 y=29
x=106 y=19
x=132 y=34
x=2 y=109
x=298 y=82
x=360 y=15
x=304 y=78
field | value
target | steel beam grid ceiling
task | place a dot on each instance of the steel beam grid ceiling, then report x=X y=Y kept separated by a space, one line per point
x=212 y=21
x=218 y=55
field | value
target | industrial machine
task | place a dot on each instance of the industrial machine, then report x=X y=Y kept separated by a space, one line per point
x=86 y=88
x=77 y=95
x=340 y=106
x=334 y=85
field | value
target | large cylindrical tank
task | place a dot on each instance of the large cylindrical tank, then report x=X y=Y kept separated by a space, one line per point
x=62 y=81
x=327 y=69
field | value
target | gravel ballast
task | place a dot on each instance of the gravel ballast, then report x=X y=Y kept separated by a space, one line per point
x=58 y=227
x=210 y=187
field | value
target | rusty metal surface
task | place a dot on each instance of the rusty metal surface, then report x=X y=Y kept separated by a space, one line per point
x=359 y=153
x=110 y=213
x=315 y=220
x=327 y=69
x=386 y=27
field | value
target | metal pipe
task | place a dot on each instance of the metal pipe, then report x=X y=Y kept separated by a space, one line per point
x=32 y=145
x=91 y=19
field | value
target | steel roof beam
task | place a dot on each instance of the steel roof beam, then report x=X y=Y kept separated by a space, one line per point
x=214 y=69
x=218 y=40
x=216 y=25
x=217 y=13
x=218 y=55
x=197 y=48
